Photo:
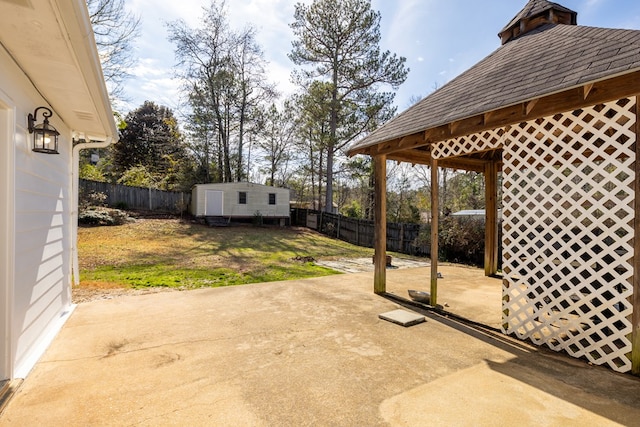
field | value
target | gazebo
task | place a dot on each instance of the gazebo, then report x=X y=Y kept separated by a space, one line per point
x=554 y=109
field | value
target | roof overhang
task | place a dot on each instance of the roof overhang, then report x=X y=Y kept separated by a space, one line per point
x=553 y=69
x=411 y=148
x=53 y=44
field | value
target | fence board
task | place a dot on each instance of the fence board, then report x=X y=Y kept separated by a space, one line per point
x=403 y=238
x=137 y=197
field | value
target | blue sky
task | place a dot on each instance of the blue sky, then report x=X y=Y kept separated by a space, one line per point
x=440 y=39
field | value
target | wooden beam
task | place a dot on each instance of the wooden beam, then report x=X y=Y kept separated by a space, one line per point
x=529 y=106
x=486 y=117
x=409 y=142
x=463 y=163
x=454 y=126
x=491 y=221
x=439 y=133
x=587 y=90
x=412 y=156
x=412 y=141
x=380 y=230
x=635 y=299
x=435 y=194
x=421 y=157
x=569 y=100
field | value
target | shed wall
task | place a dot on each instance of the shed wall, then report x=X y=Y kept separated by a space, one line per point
x=257 y=200
x=37 y=226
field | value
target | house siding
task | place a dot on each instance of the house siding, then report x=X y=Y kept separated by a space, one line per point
x=37 y=284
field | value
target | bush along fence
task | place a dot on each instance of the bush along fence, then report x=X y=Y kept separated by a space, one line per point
x=138 y=198
x=461 y=239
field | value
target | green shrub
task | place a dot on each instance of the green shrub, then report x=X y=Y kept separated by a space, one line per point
x=103 y=216
x=258 y=219
x=462 y=240
x=353 y=210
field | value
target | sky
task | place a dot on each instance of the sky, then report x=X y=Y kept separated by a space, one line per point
x=439 y=38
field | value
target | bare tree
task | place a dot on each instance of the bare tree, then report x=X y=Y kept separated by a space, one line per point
x=224 y=72
x=253 y=89
x=277 y=142
x=115 y=31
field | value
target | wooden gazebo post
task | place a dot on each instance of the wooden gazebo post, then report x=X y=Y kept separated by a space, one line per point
x=380 y=230
x=434 y=231
x=635 y=317
x=491 y=220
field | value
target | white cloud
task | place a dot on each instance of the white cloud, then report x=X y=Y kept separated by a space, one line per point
x=148 y=68
x=280 y=74
x=442 y=39
x=152 y=76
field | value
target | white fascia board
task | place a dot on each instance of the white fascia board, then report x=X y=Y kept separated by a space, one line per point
x=75 y=22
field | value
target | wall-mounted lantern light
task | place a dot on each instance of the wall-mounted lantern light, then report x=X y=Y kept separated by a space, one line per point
x=45 y=136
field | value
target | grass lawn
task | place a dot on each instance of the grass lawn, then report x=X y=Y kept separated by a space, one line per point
x=170 y=253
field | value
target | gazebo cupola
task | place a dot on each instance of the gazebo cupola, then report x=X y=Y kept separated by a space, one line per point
x=535 y=14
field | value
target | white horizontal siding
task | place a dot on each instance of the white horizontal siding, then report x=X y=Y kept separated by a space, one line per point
x=40 y=212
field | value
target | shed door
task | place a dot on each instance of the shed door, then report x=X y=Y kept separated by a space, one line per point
x=213 y=203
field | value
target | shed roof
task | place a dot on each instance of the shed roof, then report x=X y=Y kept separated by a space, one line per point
x=241 y=184
x=547 y=60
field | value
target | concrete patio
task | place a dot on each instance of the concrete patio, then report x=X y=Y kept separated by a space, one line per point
x=462 y=290
x=308 y=352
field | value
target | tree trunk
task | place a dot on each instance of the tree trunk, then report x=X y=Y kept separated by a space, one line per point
x=333 y=130
x=226 y=149
x=243 y=109
x=328 y=207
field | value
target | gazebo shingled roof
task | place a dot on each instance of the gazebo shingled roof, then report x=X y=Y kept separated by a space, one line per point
x=546 y=60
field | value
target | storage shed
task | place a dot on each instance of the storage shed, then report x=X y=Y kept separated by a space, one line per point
x=240 y=200
x=555 y=109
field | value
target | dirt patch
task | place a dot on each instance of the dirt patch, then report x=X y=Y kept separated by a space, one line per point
x=82 y=295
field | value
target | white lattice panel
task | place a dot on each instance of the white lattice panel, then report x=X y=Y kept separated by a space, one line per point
x=568 y=214
x=475 y=143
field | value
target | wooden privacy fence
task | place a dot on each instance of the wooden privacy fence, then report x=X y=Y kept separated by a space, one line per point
x=122 y=196
x=412 y=239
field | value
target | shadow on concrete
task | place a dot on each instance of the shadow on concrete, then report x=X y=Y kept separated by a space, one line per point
x=596 y=389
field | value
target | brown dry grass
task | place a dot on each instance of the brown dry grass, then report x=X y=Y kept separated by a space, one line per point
x=172 y=253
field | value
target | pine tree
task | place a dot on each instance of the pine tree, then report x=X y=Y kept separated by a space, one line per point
x=338 y=42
